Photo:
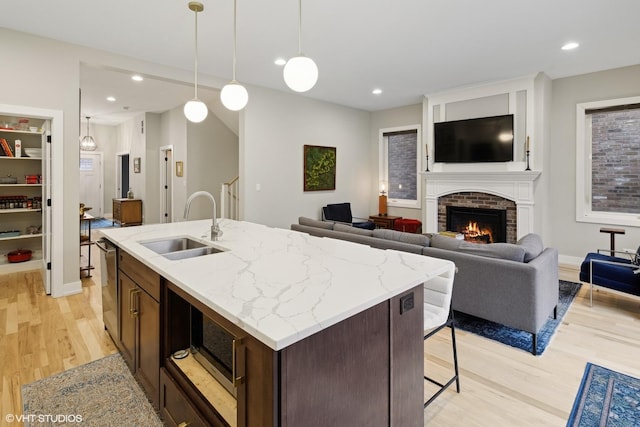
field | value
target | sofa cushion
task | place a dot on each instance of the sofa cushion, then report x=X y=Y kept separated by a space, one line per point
x=532 y=244
x=399 y=236
x=315 y=223
x=504 y=251
x=445 y=242
x=355 y=230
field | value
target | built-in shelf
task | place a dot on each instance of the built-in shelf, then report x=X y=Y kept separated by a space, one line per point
x=18 y=131
x=33 y=263
x=20 y=158
x=21 y=237
x=20 y=210
x=20 y=185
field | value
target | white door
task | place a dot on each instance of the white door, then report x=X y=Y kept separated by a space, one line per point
x=46 y=208
x=91 y=192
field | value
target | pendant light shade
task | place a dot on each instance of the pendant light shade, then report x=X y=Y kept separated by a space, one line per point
x=87 y=143
x=196 y=110
x=300 y=72
x=234 y=96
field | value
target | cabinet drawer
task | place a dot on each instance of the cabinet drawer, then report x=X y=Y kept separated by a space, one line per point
x=145 y=277
x=174 y=406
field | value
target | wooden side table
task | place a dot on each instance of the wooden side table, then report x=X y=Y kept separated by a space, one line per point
x=127 y=212
x=384 y=221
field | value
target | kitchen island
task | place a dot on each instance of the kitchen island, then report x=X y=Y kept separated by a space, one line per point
x=330 y=331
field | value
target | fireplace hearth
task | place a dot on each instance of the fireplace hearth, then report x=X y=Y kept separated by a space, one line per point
x=478 y=225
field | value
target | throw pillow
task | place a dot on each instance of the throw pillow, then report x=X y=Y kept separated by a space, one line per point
x=532 y=244
x=315 y=223
x=444 y=242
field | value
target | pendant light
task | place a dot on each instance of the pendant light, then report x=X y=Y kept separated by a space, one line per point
x=87 y=143
x=196 y=110
x=300 y=72
x=234 y=96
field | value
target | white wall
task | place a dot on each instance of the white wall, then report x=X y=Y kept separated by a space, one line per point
x=212 y=159
x=45 y=74
x=403 y=116
x=572 y=238
x=106 y=138
x=274 y=127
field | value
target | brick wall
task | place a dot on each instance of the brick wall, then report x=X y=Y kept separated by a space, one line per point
x=615 y=164
x=402 y=166
x=479 y=200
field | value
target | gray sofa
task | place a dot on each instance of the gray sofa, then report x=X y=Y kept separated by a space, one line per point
x=512 y=284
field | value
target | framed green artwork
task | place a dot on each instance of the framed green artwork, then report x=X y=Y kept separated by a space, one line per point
x=319 y=168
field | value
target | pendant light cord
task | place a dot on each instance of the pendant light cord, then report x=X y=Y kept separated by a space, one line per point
x=234 y=38
x=300 y=27
x=87 y=126
x=196 y=56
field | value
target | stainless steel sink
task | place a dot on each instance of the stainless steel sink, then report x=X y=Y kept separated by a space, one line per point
x=190 y=253
x=173 y=244
x=177 y=248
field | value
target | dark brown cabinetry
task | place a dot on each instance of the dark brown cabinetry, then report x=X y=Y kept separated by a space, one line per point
x=140 y=322
x=127 y=211
x=364 y=370
x=175 y=407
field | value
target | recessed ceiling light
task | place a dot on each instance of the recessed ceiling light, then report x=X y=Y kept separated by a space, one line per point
x=280 y=61
x=570 y=46
x=376 y=91
x=137 y=78
x=111 y=99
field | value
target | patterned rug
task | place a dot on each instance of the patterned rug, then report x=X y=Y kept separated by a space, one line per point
x=102 y=223
x=515 y=337
x=606 y=398
x=100 y=393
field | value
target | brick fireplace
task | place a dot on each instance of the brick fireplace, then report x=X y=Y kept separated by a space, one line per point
x=482 y=217
x=511 y=191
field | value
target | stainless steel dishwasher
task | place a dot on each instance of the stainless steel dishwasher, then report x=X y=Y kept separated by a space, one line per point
x=109 y=282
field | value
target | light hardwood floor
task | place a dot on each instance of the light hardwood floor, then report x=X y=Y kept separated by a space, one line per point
x=41 y=336
x=501 y=386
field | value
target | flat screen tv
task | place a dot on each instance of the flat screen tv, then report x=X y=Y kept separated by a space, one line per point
x=486 y=139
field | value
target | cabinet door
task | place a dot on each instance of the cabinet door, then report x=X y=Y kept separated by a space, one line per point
x=148 y=349
x=175 y=407
x=127 y=322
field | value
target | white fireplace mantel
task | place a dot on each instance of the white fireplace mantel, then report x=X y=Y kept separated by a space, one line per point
x=517 y=186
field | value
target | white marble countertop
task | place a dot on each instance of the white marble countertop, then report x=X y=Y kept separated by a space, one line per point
x=278 y=285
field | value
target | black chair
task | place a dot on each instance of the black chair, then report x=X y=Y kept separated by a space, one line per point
x=341 y=212
x=620 y=273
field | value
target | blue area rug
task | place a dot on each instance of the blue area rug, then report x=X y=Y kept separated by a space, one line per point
x=606 y=398
x=515 y=337
x=102 y=223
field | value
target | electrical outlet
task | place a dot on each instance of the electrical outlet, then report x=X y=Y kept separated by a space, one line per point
x=406 y=303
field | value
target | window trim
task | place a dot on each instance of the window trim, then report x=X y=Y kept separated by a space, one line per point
x=583 y=167
x=383 y=173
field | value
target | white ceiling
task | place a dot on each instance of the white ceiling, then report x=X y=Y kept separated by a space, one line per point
x=407 y=48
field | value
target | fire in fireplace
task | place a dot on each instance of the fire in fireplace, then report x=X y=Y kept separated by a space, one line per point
x=478 y=225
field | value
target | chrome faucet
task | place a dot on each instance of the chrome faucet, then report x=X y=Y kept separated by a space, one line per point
x=215 y=230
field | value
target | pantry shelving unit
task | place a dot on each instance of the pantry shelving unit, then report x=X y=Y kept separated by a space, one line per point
x=21 y=222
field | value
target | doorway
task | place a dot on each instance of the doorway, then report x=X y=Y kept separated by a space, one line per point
x=91 y=179
x=122 y=175
x=166 y=184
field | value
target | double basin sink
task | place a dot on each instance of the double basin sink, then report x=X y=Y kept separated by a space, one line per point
x=177 y=248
